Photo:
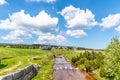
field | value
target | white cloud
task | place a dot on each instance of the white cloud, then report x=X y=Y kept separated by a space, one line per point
x=118 y=29
x=77 y=18
x=8 y=25
x=47 y=1
x=19 y=20
x=17 y=36
x=76 y=33
x=60 y=39
x=2 y=2
x=110 y=21
x=49 y=38
x=21 y=25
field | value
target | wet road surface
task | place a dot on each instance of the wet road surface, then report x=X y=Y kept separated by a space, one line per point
x=64 y=71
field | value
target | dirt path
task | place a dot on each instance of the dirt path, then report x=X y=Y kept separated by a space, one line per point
x=64 y=71
x=8 y=70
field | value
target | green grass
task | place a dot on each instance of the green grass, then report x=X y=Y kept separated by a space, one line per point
x=21 y=55
x=45 y=71
x=9 y=63
x=68 y=54
x=97 y=74
x=6 y=52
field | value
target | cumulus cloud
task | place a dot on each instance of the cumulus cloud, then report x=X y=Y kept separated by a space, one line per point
x=19 y=20
x=76 y=33
x=47 y=1
x=60 y=39
x=77 y=18
x=17 y=36
x=49 y=38
x=110 y=21
x=118 y=29
x=2 y=2
x=22 y=25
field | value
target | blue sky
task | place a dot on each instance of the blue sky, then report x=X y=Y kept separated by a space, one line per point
x=84 y=23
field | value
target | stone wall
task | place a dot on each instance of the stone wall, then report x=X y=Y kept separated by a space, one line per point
x=25 y=74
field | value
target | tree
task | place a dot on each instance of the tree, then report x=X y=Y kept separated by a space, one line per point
x=112 y=60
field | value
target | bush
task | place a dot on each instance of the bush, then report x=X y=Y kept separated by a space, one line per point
x=112 y=61
x=91 y=60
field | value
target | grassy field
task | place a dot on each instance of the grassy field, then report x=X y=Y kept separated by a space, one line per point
x=21 y=58
x=46 y=71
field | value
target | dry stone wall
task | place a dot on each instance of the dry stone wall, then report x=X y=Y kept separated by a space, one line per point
x=25 y=74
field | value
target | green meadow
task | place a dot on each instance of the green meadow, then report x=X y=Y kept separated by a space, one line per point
x=22 y=58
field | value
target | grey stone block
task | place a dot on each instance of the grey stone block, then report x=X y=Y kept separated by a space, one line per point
x=18 y=74
x=25 y=74
x=7 y=77
x=28 y=69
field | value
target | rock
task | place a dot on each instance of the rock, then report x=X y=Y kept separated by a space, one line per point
x=7 y=77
